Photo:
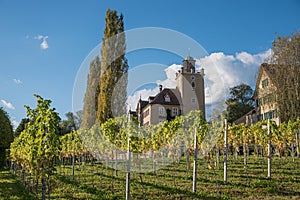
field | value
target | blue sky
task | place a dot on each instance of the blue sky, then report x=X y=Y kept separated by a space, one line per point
x=43 y=43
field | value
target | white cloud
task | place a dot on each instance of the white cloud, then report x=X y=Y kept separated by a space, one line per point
x=7 y=104
x=17 y=81
x=221 y=72
x=15 y=123
x=44 y=43
x=225 y=71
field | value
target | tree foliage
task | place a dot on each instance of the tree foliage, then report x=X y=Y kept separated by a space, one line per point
x=91 y=95
x=240 y=102
x=113 y=81
x=6 y=135
x=71 y=123
x=38 y=144
x=285 y=71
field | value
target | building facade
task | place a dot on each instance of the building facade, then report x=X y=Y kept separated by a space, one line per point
x=171 y=102
x=265 y=95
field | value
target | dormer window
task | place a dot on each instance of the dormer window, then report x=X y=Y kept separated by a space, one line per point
x=167 y=98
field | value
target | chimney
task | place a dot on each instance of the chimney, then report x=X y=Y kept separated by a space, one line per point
x=160 y=88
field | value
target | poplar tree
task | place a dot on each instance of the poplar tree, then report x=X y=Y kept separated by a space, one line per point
x=285 y=69
x=114 y=68
x=91 y=95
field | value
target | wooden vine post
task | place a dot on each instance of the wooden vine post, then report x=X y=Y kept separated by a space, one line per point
x=195 y=162
x=128 y=162
x=269 y=150
x=225 y=151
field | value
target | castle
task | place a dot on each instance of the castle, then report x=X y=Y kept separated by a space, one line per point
x=171 y=102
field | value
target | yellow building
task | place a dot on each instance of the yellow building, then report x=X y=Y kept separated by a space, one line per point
x=171 y=102
x=265 y=95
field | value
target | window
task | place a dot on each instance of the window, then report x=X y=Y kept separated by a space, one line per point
x=161 y=110
x=146 y=113
x=193 y=100
x=193 y=78
x=193 y=85
x=174 y=111
x=265 y=83
x=167 y=98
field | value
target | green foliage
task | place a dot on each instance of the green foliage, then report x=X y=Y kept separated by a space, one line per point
x=71 y=123
x=6 y=135
x=71 y=144
x=114 y=68
x=38 y=145
x=90 y=107
x=285 y=74
x=240 y=102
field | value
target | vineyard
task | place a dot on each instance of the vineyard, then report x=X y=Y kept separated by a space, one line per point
x=180 y=159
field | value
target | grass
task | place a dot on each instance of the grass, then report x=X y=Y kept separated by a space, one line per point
x=11 y=187
x=175 y=182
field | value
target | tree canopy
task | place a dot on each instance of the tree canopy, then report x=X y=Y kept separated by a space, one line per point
x=285 y=71
x=114 y=67
x=240 y=102
x=89 y=117
x=6 y=135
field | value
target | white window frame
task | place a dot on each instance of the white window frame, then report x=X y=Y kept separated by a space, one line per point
x=161 y=111
x=174 y=111
x=193 y=100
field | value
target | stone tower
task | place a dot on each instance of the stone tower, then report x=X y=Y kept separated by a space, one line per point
x=190 y=85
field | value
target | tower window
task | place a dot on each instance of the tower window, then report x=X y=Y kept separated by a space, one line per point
x=193 y=85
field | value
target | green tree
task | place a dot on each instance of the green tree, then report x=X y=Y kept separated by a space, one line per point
x=285 y=70
x=91 y=95
x=240 y=102
x=114 y=67
x=6 y=135
x=71 y=123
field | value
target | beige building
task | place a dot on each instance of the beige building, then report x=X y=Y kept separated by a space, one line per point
x=171 y=102
x=265 y=95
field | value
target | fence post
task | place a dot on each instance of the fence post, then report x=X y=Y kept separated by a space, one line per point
x=128 y=163
x=297 y=143
x=269 y=150
x=195 y=162
x=226 y=151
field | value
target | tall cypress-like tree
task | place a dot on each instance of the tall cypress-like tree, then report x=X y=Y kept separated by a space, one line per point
x=286 y=75
x=114 y=68
x=91 y=95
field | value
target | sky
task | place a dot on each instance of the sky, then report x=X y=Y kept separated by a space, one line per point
x=43 y=44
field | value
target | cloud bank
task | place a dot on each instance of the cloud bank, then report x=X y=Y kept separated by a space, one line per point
x=221 y=72
x=7 y=104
